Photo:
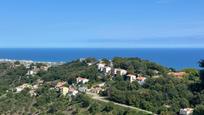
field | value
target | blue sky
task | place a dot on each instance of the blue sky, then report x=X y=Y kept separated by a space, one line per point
x=101 y=23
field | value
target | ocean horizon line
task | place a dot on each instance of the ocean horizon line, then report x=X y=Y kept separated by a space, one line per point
x=101 y=48
x=170 y=57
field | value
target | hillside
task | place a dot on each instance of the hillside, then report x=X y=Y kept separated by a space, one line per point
x=43 y=89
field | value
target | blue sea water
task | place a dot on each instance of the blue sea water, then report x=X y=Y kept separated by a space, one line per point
x=176 y=58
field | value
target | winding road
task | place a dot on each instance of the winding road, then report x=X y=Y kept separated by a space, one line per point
x=103 y=99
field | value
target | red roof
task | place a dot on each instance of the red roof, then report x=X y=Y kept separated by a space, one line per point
x=140 y=78
x=177 y=74
x=71 y=89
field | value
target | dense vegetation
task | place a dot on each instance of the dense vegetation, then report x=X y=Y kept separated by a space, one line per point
x=162 y=95
x=139 y=66
x=70 y=71
x=11 y=76
x=157 y=94
x=49 y=101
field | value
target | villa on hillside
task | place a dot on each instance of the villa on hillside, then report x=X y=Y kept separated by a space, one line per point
x=186 y=111
x=104 y=68
x=131 y=77
x=107 y=70
x=177 y=74
x=30 y=72
x=82 y=80
x=33 y=71
x=101 y=66
x=118 y=71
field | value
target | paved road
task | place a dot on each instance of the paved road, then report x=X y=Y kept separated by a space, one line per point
x=103 y=99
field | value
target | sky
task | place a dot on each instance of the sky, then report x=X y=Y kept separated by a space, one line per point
x=101 y=24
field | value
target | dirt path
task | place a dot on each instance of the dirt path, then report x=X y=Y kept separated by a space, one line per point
x=103 y=99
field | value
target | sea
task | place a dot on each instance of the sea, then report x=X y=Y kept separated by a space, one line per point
x=178 y=58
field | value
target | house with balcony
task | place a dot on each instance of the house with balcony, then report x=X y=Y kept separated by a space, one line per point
x=131 y=77
x=118 y=71
x=82 y=80
x=186 y=111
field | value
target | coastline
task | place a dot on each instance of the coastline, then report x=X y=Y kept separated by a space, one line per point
x=31 y=61
x=172 y=57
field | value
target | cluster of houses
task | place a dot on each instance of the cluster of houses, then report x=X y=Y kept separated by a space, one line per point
x=104 y=68
x=32 y=88
x=108 y=70
x=27 y=63
x=72 y=90
x=31 y=65
x=63 y=87
x=65 y=90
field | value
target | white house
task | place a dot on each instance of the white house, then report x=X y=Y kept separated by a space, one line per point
x=131 y=77
x=30 y=72
x=107 y=70
x=82 y=80
x=101 y=66
x=120 y=71
x=186 y=111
